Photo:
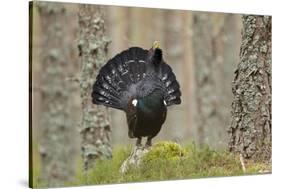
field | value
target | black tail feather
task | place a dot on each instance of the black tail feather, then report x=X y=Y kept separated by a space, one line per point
x=167 y=76
x=112 y=86
x=115 y=83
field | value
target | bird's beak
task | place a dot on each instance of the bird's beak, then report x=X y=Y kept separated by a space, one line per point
x=156 y=45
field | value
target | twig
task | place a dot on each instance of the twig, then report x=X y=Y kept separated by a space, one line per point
x=242 y=163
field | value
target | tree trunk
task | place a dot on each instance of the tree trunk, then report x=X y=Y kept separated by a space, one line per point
x=56 y=147
x=118 y=27
x=208 y=64
x=156 y=23
x=173 y=55
x=250 y=129
x=95 y=125
x=139 y=20
x=187 y=74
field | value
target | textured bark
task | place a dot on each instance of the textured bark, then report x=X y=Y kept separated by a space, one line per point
x=95 y=124
x=250 y=129
x=56 y=148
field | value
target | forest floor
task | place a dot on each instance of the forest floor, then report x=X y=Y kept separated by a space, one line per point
x=195 y=162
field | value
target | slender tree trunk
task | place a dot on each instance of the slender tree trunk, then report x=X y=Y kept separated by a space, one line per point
x=187 y=67
x=139 y=22
x=250 y=129
x=157 y=26
x=56 y=148
x=210 y=45
x=173 y=55
x=95 y=125
x=118 y=29
x=206 y=99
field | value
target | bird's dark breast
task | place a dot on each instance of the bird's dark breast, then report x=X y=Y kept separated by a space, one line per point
x=150 y=123
x=146 y=117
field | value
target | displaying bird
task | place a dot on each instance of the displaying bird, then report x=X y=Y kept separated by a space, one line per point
x=140 y=83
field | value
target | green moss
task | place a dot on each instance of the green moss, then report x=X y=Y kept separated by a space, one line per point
x=107 y=171
x=165 y=151
x=167 y=161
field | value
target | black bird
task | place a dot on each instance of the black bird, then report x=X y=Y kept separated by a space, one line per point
x=140 y=83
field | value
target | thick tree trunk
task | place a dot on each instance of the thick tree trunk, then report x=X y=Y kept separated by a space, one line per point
x=56 y=147
x=95 y=125
x=250 y=128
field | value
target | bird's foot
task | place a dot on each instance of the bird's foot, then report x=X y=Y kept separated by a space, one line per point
x=147 y=146
x=148 y=143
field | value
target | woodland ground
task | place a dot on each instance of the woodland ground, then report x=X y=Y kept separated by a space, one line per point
x=194 y=162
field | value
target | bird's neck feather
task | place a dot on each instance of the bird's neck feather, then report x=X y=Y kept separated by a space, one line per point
x=151 y=103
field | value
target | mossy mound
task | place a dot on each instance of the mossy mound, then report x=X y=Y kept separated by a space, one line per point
x=165 y=150
x=165 y=161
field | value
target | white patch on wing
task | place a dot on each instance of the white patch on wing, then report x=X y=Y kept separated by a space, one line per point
x=165 y=103
x=134 y=102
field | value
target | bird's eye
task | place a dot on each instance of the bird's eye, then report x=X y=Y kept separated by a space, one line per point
x=134 y=102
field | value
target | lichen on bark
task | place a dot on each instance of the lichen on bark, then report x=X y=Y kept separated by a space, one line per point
x=92 y=45
x=250 y=128
x=56 y=130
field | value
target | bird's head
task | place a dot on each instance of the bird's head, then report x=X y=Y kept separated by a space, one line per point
x=155 y=53
x=156 y=45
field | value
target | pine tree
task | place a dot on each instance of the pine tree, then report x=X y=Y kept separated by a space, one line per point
x=56 y=147
x=250 y=129
x=209 y=46
x=95 y=124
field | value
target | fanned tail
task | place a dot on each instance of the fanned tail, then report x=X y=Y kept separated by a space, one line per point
x=172 y=86
x=115 y=82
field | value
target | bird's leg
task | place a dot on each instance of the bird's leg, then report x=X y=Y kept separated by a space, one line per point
x=148 y=142
x=138 y=143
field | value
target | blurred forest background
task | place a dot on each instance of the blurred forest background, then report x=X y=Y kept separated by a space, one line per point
x=202 y=48
x=204 y=114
